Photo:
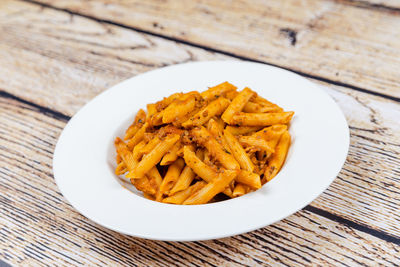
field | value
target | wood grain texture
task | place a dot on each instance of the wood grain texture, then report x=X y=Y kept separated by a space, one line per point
x=62 y=61
x=37 y=225
x=384 y=5
x=338 y=40
x=367 y=189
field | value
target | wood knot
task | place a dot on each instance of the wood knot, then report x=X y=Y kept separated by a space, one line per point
x=290 y=34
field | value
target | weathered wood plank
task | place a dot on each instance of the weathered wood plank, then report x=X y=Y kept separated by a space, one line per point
x=387 y=5
x=50 y=53
x=37 y=225
x=367 y=190
x=333 y=40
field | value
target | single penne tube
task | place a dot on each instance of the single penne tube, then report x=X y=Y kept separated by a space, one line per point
x=171 y=155
x=221 y=123
x=131 y=157
x=249 y=178
x=160 y=105
x=203 y=170
x=198 y=166
x=137 y=155
x=150 y=145
x=238 y=152
x=148 y=196
x=216 y=186
x=239 y=190
x=271 y=132
x=204 y=156
x=118 y=158
x=156 y=119
x=262 y=119
x=200 y=153
x=272 y=135
x=180 y=120
x=253 y=107
x=137 y=137
x=242 y=130
x=214 y=108
x=153 y=173
x=215 y=129
x=237 y=105
x=185 y=179
x=121 y=168
x=258 y=142
x=151 y=110
x=172 y=175
x=190 y=94
x=224 y=157
x=143 y=184
x=127 y=156
x=150 y=160
x=231 y=94
x=135 y=126
x=278 y=158
x=181 y=196
x=218 y=90
x=177 y=109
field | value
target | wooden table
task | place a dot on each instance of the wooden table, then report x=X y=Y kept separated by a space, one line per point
x=57 y=55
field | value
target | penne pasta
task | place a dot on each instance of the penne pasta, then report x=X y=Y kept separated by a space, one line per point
x=216 y=91
x=239 y=190
x=160 y=105
x=185 y=179
x=199 y=167
x=238 y=152
x=217 y=131
x=121 y=168
x=137 y=123
x=177 y=109
x=181 y=196
x=150 y=160
x=118 y=158
x=243 y=129
x=249 y=178
x=216 y=107
x=174 y=170
x=237 y=104
x=189 y=147
x=261 y=119
x=151 y=110
x=271 y=134
x=144 y=185
x=224 y=157
x=216 y=186
x=278 y=158
x=137 y=137
x=203 y=170
x=149 y=146
x=153 y=173
x=231 y=94
x=252 y=107
x=171 y=155
x=256 y=142
x=127 y=156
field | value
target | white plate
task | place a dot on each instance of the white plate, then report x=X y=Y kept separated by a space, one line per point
x=84 y=158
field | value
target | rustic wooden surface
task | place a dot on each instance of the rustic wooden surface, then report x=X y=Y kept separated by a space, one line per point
x=355 y=42
x=53 y=60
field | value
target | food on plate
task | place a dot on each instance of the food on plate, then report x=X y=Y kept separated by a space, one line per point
x=195 y=148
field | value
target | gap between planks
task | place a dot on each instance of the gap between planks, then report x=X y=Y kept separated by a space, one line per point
x=214 y=50
x=362 y=228
x=376 y=5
